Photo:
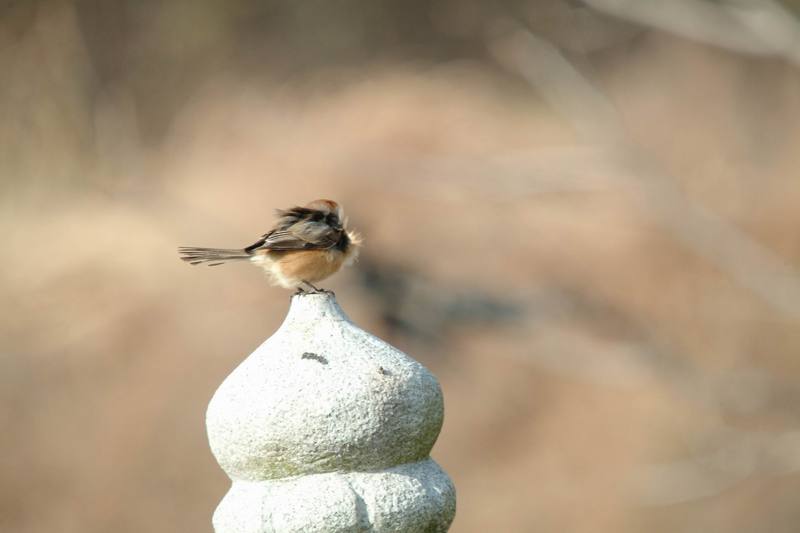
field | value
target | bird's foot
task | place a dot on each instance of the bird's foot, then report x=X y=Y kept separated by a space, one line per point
x=314 y=289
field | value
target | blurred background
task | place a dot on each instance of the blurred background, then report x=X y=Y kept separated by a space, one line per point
x=584 y=217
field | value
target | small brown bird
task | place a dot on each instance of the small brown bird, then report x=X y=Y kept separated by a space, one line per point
x=307 y=245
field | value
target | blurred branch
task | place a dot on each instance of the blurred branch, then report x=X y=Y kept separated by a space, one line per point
x=741 y=454
x=758 y=27
x=595 y=118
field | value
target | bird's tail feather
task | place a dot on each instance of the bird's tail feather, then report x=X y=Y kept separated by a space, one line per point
x=211 y=256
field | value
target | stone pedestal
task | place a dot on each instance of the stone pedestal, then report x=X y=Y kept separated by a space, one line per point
x=326 y=428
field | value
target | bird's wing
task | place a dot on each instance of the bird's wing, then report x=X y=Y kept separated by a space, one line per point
x=304 y=235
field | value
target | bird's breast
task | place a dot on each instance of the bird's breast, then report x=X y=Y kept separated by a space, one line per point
x=308 y=265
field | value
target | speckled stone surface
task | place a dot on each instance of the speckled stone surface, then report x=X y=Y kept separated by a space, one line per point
x=327 y=428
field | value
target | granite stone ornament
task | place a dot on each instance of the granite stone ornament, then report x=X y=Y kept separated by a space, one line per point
x=326 y=428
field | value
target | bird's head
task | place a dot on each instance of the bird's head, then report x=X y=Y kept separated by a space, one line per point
x=327 y=211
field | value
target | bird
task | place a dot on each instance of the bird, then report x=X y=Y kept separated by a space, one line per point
x=307 y=245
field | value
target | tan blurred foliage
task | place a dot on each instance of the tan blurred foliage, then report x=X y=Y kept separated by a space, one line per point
x=583 y=217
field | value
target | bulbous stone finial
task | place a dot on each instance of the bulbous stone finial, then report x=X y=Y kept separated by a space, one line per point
x=327 y=428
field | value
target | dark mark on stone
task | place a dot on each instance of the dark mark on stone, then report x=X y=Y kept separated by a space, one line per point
x=384 y=371
x=315 y=357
